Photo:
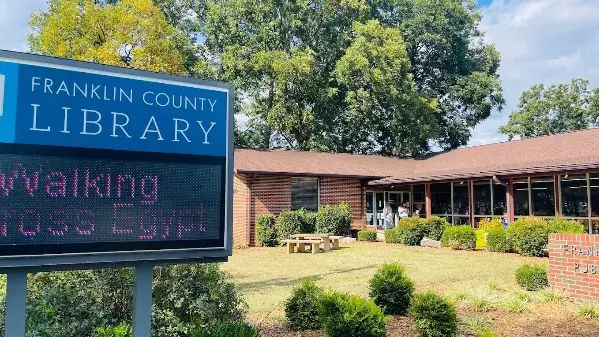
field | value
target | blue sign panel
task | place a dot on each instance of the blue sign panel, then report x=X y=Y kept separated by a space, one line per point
x=97 y=159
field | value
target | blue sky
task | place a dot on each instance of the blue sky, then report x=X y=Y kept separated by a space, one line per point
x=541 y=41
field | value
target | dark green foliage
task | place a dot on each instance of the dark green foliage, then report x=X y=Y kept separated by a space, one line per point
x=392 y=236
x=88 y=302
x=301 y=308
x=267 y=232
x=532 y=277
x=529 y=236
x=566 y=226
x=335 y=220
x=344 y=315
x=367 y=235
x=459 y=237
x=499 y=240
x=295 y=222
x=121 y=330
x=411 y=230
x=433 y=315
x=391 y=289
x=435 y=226
x=226 y=329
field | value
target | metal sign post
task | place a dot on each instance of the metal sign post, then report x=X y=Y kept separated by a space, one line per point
x=107 y=167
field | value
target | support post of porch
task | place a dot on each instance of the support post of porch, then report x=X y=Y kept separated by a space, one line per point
x=427 y=195
x=509 y=198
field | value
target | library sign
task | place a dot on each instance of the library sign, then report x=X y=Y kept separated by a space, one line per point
x=104 y=164
x=574 y=265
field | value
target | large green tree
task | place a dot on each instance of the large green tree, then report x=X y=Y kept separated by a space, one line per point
x=545 y=110
x=393 y=77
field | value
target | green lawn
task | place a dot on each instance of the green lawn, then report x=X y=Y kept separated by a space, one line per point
x=266 y=275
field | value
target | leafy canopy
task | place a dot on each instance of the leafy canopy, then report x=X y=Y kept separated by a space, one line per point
x=545 y=110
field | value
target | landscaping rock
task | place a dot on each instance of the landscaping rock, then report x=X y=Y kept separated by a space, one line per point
x=426 y=242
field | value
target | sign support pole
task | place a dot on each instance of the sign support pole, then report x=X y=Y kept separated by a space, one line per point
x=16 y=295
x=142 y=315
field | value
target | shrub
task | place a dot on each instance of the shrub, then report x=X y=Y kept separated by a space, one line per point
x=344 y=315
x=267 y=232
x=121 y=330
x=532 y=277
x=588 y=311
x=233 y=329
x=433 y=315
x=392 y=236
x=367 y=235
x=488 y=225
x=529 y=236
x=459 y=237
x=435 y=226
x=295 y=222
x=498 y=240
x=411 y=230
x=391 y=289
x=301 y=308
x=334 y=220
x=566 y=226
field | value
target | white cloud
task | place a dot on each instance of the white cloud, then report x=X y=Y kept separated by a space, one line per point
x=541 y=41
x=14 y=19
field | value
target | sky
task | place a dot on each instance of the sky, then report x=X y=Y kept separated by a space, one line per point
x=540 y=41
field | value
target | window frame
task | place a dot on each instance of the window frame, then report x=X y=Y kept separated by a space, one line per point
x=317 y=193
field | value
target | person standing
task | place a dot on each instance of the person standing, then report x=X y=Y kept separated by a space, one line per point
x=388 y=216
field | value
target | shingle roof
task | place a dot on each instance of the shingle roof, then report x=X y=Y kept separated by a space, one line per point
x=559 y=152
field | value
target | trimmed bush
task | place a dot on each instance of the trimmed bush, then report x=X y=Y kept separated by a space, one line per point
x=488 y=225
x=367 y=235
x=392 y=236
x=433 y=315
x=391 y=289
x=335 y=220
x=411 y=230
x=344 y=315
x=267 y=232
x=566 y=226
x=435 y=226
x=295 y=222
x=529 y=236
x=532 y=277
x=233 y=329
x=499 y=240
x=301 y=308
x=459 y=237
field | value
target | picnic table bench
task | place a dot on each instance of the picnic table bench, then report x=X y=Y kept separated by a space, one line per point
x=329 y=242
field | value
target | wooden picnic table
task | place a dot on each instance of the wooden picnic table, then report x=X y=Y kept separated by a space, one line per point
x=330 y=242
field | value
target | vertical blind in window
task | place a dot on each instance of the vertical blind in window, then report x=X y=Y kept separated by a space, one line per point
x=304 y=193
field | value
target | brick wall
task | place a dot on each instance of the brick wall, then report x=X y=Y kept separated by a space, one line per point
x=261 y=194
x=334 y=191
x=574 y=265
x=240 y=210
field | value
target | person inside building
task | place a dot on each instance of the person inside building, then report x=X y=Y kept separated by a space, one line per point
x=388 y=216
x=403 y=211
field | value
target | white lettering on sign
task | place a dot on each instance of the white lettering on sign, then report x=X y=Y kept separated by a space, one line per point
x=1 y=95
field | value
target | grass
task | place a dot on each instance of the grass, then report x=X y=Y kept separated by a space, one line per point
x=588 y=311
x=266 y=275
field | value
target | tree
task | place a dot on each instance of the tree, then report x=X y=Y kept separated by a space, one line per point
x=127 y=33
x=545 y=110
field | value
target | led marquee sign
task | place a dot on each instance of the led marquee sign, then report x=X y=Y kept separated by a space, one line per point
x=105 y=164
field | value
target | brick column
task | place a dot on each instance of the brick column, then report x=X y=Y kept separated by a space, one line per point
x=427 y=195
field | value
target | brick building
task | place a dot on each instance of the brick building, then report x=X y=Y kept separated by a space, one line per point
x=548 y=176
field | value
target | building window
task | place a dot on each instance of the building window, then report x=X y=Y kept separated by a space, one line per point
x=482 y=197
x=594 y=196
x=543 y=196
x=460 y=198
x=574 y=200
x=521 y=197
x=304 y=193
x=441 y=199
x=499 y=199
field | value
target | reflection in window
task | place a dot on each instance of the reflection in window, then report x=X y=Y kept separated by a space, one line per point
x=441 y=198
x=574 y=196
x=543 y=197
x=460 y=198
x=482 y=197
x=461 y=220
x=521 y=197
x=304 y=193
x=499 y=199
x=369 y=208
x=594 y=182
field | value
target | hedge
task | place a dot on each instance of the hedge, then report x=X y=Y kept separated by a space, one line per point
x=267 y=232
x=411 y=230
x=391 y=289
x=344 y=315
x=295 y=222
x=459 y=237
x=532 y=277
x=499 y=240
x=392 y=236
x=301 y=308
x=367 y=235
x=334 y=220
x=435 y=226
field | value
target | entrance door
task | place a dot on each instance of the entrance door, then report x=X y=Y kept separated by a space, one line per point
x=397 y=198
